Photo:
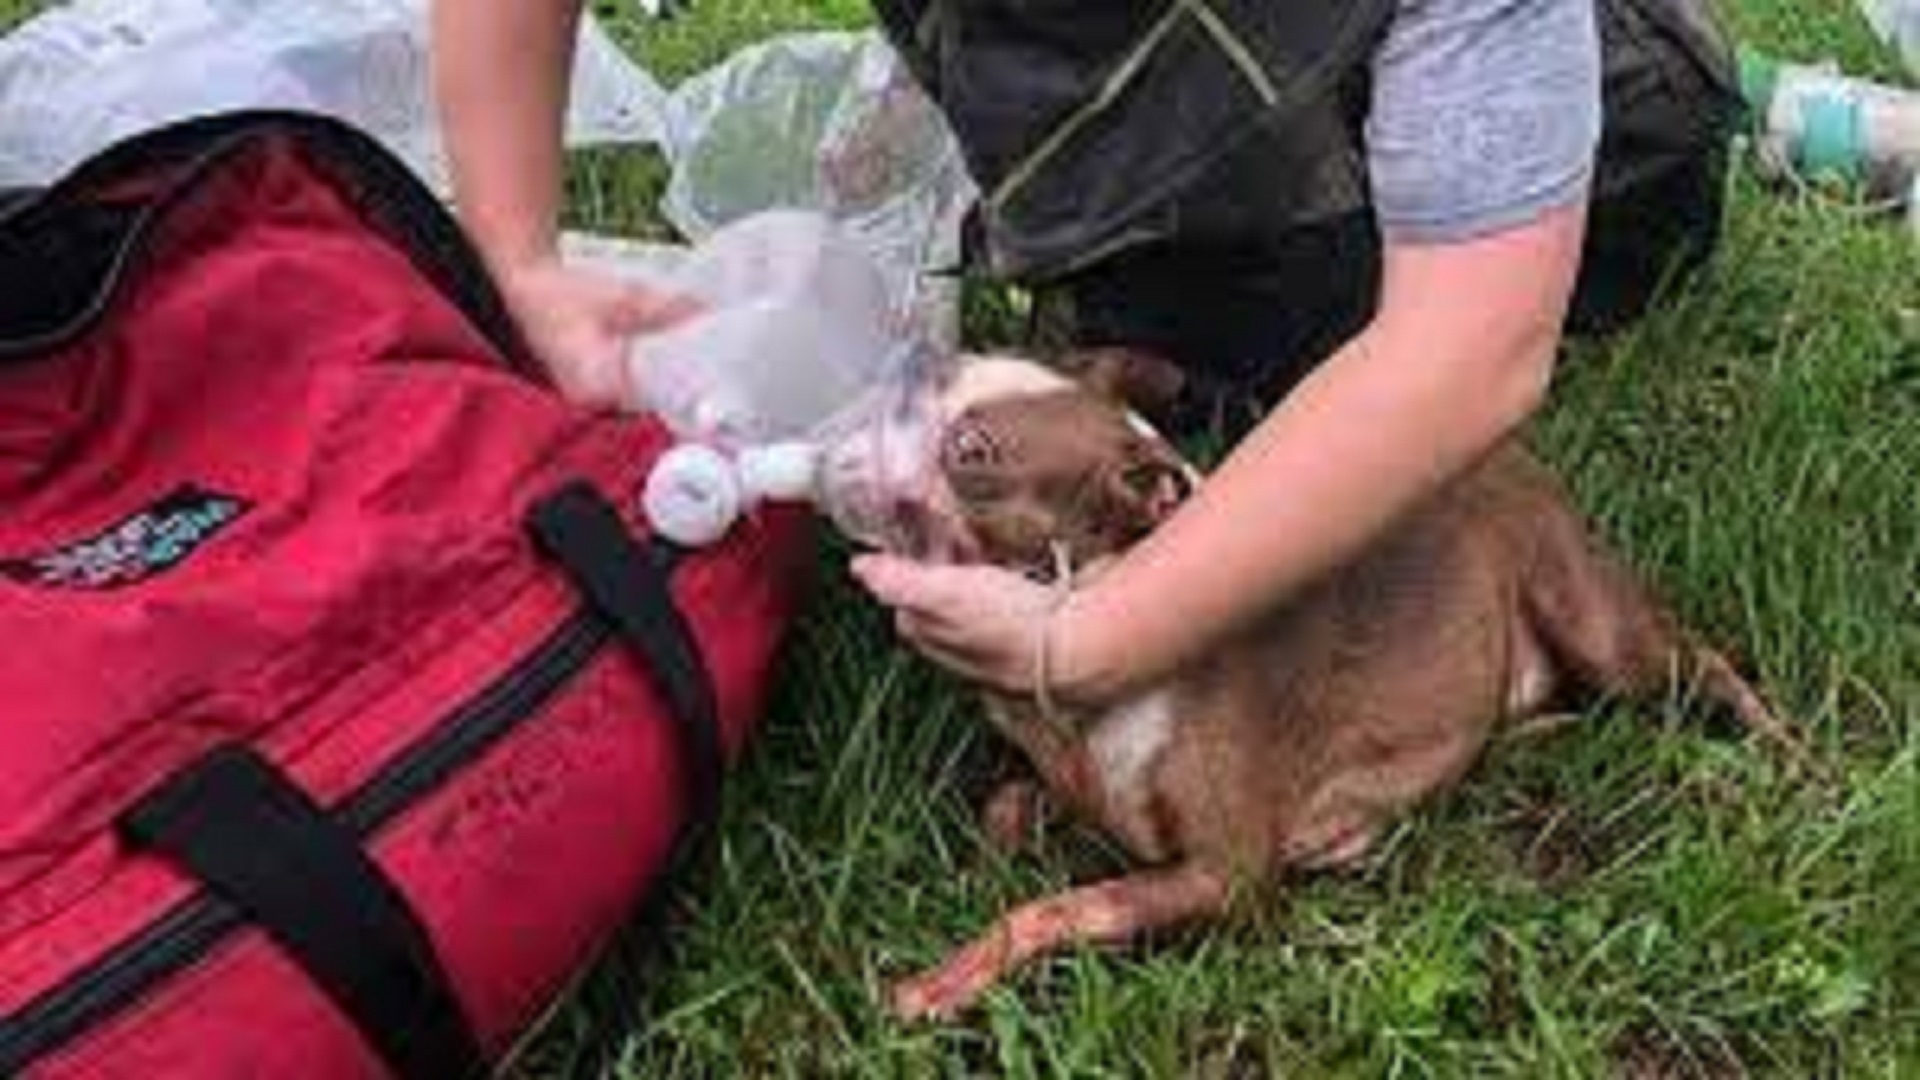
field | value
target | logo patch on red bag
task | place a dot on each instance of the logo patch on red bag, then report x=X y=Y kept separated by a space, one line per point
x=151 y=541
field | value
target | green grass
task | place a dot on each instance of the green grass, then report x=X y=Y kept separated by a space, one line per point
x=1630 y=897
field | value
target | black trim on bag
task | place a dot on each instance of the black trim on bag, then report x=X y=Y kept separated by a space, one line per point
x=192 y=929
x=235 y=823
x=379 y=185
x=627 y=584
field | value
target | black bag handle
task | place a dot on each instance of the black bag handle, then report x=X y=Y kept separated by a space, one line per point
x=627 y=583
x=250 y=835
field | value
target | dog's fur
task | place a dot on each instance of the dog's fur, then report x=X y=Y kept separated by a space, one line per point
x=1293 y=744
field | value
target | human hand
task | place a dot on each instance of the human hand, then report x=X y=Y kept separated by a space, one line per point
x=984 y=624
x=580 y=324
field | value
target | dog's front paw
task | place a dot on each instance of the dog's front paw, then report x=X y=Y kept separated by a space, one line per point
x=914 y=1000
x=1013 y=814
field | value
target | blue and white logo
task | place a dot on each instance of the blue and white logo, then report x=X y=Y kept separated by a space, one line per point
x=151 y=541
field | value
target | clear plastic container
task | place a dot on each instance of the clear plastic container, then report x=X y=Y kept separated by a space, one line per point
x=797 y=326
x=84 y=74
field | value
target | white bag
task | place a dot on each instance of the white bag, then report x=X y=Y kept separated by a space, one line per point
x=833 y=123
x=92 y=72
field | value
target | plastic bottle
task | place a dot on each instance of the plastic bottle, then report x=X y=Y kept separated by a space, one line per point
x=1819 y=122
x=864 y=468
x=793 y=384
x=797 y=324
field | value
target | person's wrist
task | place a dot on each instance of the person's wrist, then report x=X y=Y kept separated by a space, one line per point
x=513 y=269
x=515 y=254
x=1088 y=669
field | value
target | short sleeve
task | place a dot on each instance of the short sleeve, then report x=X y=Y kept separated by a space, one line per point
x=1484 y=115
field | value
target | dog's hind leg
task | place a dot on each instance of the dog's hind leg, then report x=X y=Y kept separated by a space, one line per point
x=1607 y=631
x=1719 y=682
x=1110 y=912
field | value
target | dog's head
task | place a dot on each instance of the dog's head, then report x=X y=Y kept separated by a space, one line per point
x=1018 y=460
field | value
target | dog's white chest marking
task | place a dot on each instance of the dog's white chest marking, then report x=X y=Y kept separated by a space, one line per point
x=1530 y=680
x=1124 y=745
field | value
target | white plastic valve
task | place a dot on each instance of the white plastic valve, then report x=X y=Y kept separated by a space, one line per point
x=783 y=471
x=695 y=493
x=692 y=496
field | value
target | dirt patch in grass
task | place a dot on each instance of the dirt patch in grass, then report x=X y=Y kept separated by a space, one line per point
x=1649 y=1053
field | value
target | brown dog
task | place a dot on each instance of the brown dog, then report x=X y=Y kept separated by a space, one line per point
x=1295 y=743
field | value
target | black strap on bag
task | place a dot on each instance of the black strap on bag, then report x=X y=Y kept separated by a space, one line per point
x=251 y=836
x=627 y=584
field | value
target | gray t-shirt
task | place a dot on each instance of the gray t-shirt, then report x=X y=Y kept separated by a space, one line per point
x=1485 y=114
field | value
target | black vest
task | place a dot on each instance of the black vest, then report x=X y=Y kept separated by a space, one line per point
x=1096 y=126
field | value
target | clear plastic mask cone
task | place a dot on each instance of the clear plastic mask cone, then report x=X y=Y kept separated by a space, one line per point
x=875 y=458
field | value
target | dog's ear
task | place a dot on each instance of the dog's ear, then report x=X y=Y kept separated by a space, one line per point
x=1136 y=378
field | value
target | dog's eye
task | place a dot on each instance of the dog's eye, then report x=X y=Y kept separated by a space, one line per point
x=972 y=448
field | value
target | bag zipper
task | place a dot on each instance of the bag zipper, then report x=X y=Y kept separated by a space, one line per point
x=189 y=931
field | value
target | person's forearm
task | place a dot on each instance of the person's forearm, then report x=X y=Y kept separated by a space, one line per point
x=501 y=74
x=1432 y=385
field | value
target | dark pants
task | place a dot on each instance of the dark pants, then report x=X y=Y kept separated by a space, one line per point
x=1247 y=324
